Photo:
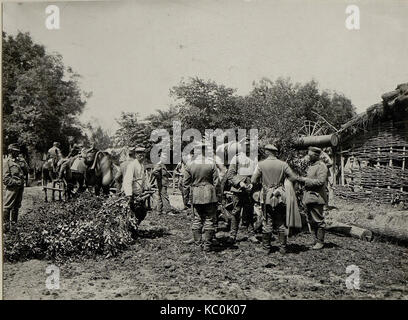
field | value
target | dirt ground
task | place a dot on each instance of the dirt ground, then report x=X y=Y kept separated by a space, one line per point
x=161 y=266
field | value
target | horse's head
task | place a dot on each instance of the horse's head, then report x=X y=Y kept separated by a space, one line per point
x=89 y=156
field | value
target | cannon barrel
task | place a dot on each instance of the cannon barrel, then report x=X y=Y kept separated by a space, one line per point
x=329 y=140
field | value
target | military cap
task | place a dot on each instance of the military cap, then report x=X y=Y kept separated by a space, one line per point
x=140 y=149
x=13 y=147
x=315 y=150
x=56 y=143
x=270 y=147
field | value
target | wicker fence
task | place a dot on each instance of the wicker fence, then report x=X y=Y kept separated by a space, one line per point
x=381 y=153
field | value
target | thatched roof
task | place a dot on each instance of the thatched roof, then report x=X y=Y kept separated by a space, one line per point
x=394 y=105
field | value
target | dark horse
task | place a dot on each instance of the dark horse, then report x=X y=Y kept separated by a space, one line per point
x=100 y=170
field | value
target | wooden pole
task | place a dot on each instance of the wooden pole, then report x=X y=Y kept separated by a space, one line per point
x=403 y=163
x=334 y=168
x=342 y=165
x=390 y=164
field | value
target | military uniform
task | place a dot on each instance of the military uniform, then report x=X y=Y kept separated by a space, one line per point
x=133 y=185
x=273 y=172
x=185 y=192
x=14 y=172
x=162 y=176
x=202 y=176
x=240 y=172
x=315 y=197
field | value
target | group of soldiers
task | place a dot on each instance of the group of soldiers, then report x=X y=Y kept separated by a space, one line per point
x=203 y=178
x=15 y=170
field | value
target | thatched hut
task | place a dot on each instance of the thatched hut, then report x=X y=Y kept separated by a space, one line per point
x=373 y=151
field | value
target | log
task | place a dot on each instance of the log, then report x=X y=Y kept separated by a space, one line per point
x=395 y=228
x=330 y=140
x=349 y=230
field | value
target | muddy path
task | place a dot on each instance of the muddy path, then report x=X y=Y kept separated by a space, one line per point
x=160 y=266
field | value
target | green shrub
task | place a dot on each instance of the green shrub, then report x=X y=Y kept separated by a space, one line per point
x=83 y=227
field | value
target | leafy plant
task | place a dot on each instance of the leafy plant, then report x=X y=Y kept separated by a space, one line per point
x=83 y=227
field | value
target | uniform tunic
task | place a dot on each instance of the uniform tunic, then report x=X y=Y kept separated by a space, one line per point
x=202 y=176
x=14 y=171
x=134 y=179
x=272 y=172
x=241 y=170
x=162 y=181
x=315 y=195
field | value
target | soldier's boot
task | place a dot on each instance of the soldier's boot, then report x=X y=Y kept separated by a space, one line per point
x=208 y=237
x=312 y=231
x=320 y=232
x=14 y=215
x=283 y=248
x=266 y=244
x=197 y=237
x=234 y=231
x=6 y=220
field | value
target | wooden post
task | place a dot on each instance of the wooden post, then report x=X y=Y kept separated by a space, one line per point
x=403 y=163
x=334 y=168
x=378 y=165
x=342 y=166
x=390 y=164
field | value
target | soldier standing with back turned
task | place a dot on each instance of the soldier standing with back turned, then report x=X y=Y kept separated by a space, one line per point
x=202 y=175
x=272 y=172
x=14 y=171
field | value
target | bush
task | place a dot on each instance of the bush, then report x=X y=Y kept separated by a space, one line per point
x=83 y=227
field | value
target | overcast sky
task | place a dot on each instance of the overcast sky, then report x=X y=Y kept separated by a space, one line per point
x=131 y=53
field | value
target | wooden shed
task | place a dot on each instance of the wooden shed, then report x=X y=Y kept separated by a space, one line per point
x=373 y=151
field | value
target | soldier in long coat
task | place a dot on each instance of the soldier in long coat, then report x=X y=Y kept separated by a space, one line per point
x=272 y=173
x=315 y=195
x=201 y=176
x=14 y=172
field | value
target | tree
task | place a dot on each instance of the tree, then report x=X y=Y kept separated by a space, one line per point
x=98 y=136
x=41 y=97
x=132 y=132
x=207 y=105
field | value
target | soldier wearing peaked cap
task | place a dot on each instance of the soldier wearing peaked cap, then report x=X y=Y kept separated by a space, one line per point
x=315 y=195
x=272 y=173
x=14 y=172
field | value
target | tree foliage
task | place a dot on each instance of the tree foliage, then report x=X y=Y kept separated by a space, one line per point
x=41 y=97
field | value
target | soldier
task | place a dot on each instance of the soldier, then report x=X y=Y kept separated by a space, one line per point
x=202 y=176
x=123 y=166
x=134 y=184
x=185 y=192
x=315 y=195
x=272 y=173
x=162 y=175
x=55 y=154
x=239 y=176
x=14 y=171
